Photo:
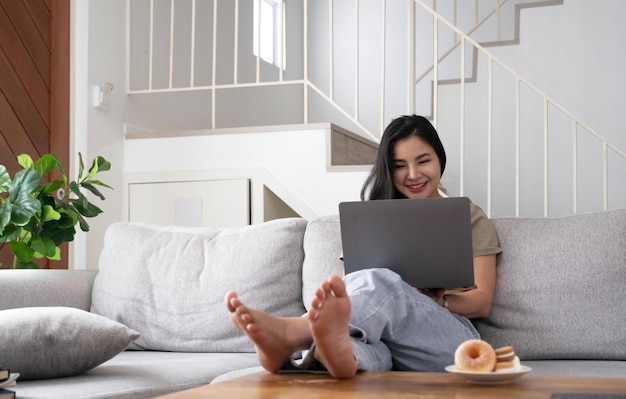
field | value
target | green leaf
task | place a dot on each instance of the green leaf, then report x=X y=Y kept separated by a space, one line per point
x=89 y=211
x=84 y=226
x=46 y=163
x=60 y=166
x=21 y=251
x=5 y=215
x=24 y=205
x=81 y=166
x=57 y=254
x=24 y=183
x=98 y=182
x=24 y=210
x=94 y=169
x=81 y=197
x=99 y=164
x=5 y=179
x=93 y=190
x=68 y=217
x=26 y=161
x=52 y=186
x=43 y=245
x=48 y=213
x=10 y=233
x=27 y=265
x=103 y=164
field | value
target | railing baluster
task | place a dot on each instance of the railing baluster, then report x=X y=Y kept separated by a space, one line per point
x=575 y=164
x=193 y=44
x=305 y=62
x=517 y=145
x=462 y=123
x=605 y=175
x=545 y=157
x=236 y=40
x=151 y=50
x=356 y=61
x=435 y=68
x=489 y=129
x=383 y=64
x=171 y=63
x=214 y=67
x=331 y=82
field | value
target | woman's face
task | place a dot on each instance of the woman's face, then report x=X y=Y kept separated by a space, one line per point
x=416 y=168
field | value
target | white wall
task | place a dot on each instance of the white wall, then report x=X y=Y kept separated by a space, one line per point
x=572 y=51
x=98 y=51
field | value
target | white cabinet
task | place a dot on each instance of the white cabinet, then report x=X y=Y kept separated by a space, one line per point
x=208 y=203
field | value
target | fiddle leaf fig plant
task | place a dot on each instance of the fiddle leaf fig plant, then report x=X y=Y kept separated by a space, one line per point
x=38 y=214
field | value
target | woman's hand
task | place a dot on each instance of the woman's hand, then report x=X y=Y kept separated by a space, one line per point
x=477 y=302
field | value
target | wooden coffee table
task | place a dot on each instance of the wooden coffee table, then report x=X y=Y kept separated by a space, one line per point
x=405 y=384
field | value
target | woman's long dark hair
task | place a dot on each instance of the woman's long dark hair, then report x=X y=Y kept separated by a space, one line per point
x=379 y=184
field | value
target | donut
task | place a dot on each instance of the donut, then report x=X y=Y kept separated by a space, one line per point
x=475 y=355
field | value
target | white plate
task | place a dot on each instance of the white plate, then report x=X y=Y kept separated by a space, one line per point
x=11 y=381
x=491 y=377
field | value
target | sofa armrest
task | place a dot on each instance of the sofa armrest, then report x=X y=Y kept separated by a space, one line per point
x=26 y=288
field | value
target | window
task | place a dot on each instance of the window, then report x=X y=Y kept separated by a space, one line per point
x=267 y=31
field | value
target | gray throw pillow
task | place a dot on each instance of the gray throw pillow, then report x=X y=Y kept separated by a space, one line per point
x=169 y=282
x=49 y=342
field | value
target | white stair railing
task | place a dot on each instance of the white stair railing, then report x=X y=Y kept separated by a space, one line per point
x=549 y=107
x=501 y=173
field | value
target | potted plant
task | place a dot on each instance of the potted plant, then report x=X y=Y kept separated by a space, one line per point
x=38 y=213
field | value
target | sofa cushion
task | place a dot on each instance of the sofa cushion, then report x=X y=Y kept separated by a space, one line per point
x=49 y=342
x=169 y=283
x=139 y=375
x=322 y=249
x=560 y=287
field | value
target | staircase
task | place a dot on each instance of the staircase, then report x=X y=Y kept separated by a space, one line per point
x=499 y=26
x=504 y=123
x=511 y=148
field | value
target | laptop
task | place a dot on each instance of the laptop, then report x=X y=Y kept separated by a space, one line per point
x=428 y=242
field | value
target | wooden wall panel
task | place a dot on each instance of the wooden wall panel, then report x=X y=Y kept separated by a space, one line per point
x=34 y=86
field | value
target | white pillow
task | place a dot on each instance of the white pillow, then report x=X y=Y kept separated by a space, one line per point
x=169 y=283
x=49 y=342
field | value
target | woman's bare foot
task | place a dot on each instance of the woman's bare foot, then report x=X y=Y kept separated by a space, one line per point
x=329 y=318
x=275 y=338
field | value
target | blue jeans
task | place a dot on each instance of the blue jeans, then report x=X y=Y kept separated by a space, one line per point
x=395 y=327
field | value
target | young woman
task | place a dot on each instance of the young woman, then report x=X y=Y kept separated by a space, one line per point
x=372 y=320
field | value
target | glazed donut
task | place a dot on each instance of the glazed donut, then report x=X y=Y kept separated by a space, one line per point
x=475 y=355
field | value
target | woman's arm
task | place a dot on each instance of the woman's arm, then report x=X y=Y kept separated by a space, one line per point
x=477 y=302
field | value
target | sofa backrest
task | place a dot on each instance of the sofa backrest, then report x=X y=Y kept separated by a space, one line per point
x=560 y=287
x=27 y=288
x=322 y=249
x=560 y=283
x=169 y=283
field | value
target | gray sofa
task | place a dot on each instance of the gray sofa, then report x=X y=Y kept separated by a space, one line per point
x=159 y=294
